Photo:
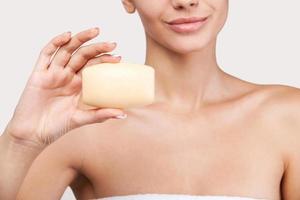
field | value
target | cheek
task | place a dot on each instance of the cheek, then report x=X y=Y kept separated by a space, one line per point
x=152 y=21
x=220 y=13
x=149 y=10
x=151 y=13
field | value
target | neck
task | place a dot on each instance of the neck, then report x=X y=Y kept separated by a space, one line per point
x=185 y=80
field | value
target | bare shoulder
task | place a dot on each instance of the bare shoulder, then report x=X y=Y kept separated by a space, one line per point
x=70 y=149
x=283 y=93
x=282 y=109
x=282 y=102
x=89 y=139
x=87 y=135
x=279 y=107
x=280 y=112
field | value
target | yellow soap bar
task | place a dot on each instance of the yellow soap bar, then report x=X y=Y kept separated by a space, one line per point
x=118 y=85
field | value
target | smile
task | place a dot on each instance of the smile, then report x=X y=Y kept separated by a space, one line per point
x=187 y=27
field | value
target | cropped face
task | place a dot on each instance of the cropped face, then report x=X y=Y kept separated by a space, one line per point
x=162 y=21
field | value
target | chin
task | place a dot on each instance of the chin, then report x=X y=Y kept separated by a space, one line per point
x=185 y=47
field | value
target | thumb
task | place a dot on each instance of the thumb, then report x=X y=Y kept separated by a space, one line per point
x=83 y=117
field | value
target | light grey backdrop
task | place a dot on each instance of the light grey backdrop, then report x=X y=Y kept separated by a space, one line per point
x=259 y=43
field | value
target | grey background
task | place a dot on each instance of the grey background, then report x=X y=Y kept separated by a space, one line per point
x=259 y=43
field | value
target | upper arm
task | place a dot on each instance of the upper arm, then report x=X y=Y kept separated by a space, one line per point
x=291 y=180
x=82 y=188
x=288 y=104
x=53 y=169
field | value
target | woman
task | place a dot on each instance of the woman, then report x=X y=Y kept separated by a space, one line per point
x=207 y=133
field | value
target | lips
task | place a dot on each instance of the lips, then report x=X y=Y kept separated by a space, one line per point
x=187 y=25
x=187 y=20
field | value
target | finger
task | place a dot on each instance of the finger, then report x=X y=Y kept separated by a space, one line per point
x=64 y=53
x=84 y=117
x=104 y=58
x=83 y=54
x=48 y=51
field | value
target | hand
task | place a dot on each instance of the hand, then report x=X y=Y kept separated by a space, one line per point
x=48 y=107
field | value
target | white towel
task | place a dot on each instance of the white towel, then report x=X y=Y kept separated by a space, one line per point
x=175 y=197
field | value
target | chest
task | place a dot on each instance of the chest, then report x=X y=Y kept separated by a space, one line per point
x=169 y=157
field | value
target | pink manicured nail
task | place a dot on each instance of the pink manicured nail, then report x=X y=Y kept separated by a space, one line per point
x=111 y=43
x=123 y=116
x=68 y=33
x=115 y=55
x=95 y=30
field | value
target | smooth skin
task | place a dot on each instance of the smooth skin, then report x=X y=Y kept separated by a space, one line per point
x=207 y=133
x=245 y=147
x=50 y=105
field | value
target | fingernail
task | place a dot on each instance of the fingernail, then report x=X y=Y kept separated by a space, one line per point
x=123 y=116
x=115 y=55
x=111 y=43
x=67 y=33
x=95 y=30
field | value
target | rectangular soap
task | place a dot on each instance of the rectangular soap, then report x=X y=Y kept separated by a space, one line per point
x=118 y=85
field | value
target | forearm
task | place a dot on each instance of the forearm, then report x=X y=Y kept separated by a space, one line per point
x=15 y=159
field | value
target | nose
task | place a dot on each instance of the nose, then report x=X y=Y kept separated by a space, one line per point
x=184 y=4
